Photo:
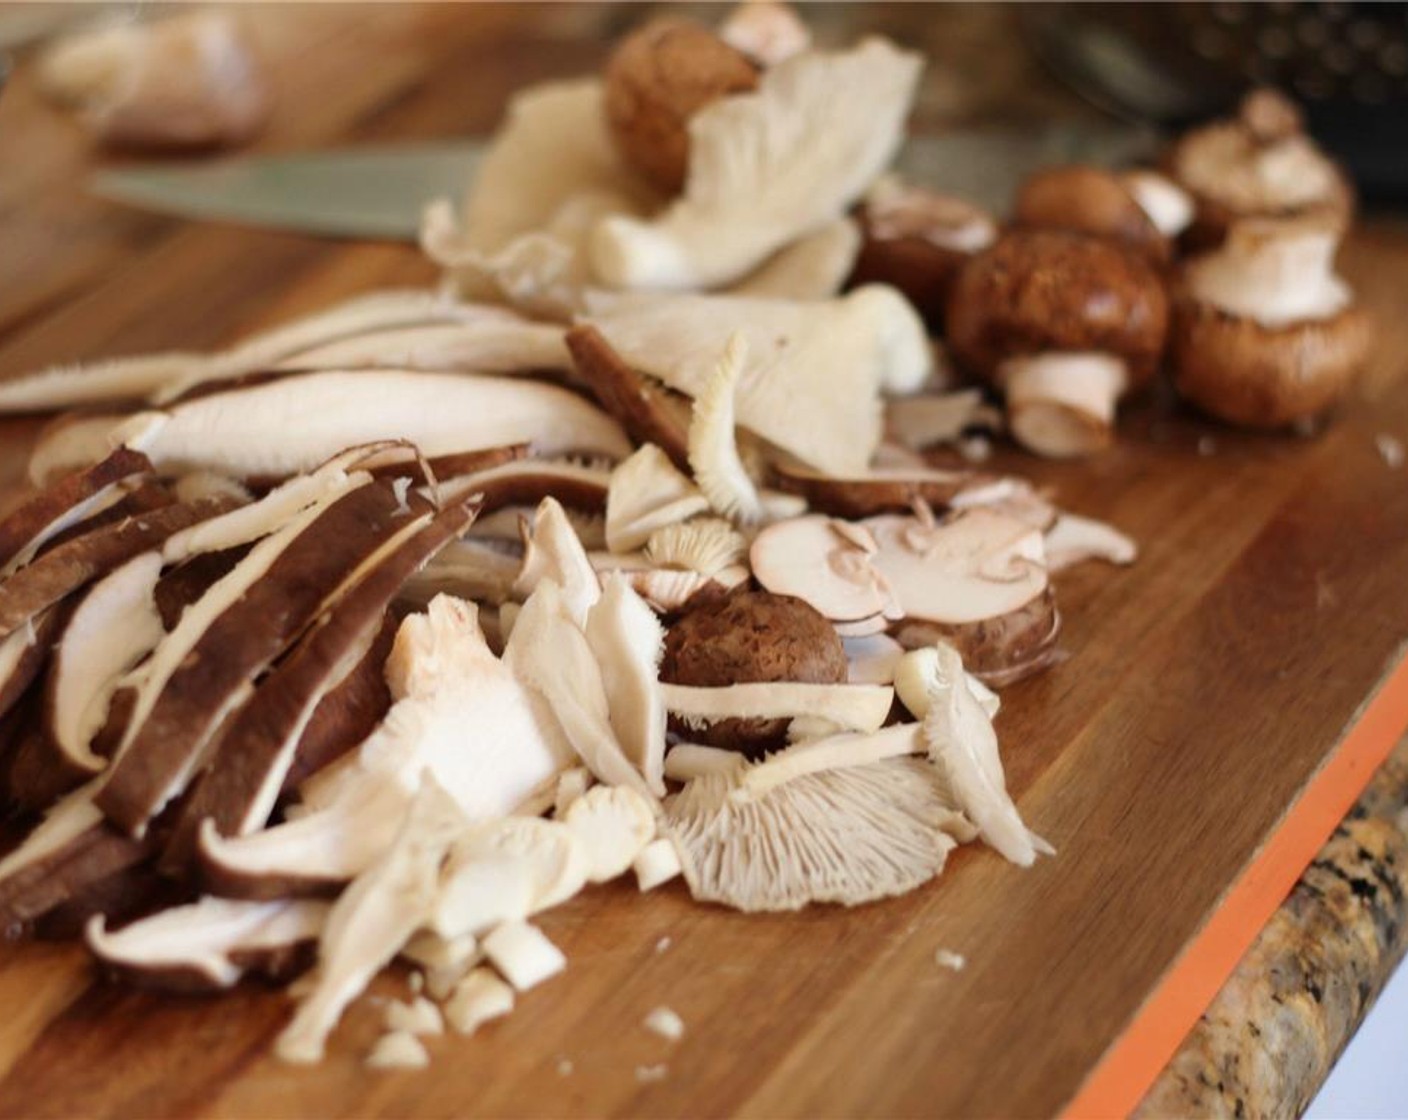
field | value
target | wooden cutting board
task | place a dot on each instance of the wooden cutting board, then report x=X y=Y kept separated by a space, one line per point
x=1220 y=706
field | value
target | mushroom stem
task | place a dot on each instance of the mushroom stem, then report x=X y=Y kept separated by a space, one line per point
x=1167 y=204
x=1277 y=273
x=1063 y=405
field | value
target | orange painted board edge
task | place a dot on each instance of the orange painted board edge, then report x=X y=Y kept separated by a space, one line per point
x=1135 y=1059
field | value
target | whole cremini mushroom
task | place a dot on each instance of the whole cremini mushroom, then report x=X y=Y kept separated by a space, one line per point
x=657 y=78
x=1265 y=333
x=1260 y=163
x=1065 y=325
x=1141 y=209
x=752 y=637
x=916 y=240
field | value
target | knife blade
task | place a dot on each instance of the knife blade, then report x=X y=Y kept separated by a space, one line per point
x=379 y=193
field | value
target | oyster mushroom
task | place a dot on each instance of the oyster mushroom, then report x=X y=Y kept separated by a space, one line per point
x=845 y=836
x=647 y=494
x=613 y=825
x=858 y=346
x=656 y=79
x=1065 y=325
x=325 y=412
x=498 y=342
x=1139 y=209
x=752 y=637
x=706 y=545
x=1260 y=163
x=713 y=447
x=766 y=167
x=553 y=551
x=766 y=31
x=1265 y=333
x=815 y=266
x=210 y=944
x=191 y=81
x=916 y=240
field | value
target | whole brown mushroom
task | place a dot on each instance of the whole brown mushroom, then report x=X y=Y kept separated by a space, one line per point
x=1265 y=334
x=1141 y=209
x=1260 y=163
x=659 y=77
x=916 y=240
x=754 y=636
x=1065 y=324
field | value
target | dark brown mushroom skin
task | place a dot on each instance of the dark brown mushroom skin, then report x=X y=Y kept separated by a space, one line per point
x=753 y=636
x=1256 y=376
x=998 y=651
x=657 y=78
x=1265 y=116
x=1037 y=291
x=1093 y=201
x=923 y=272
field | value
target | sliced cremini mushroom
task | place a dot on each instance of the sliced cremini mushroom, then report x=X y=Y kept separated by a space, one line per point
x=1074 y=539
x=1265 y=333
x=1260 y=163
x=651 y=413
x=812 y=383
x=916 y=240
x=210 y=944
x=846 y=836
x=766 y=167
x=24 y=652
x=526 y=482
x=372 y=919
x=828 y=564
x=322 y=413
x=887 y=490
x=1065 y=325
x=204 y=669
x=66 y=502
x=256 y=750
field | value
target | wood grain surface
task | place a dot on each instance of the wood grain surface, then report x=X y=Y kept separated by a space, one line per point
x=1204 y=688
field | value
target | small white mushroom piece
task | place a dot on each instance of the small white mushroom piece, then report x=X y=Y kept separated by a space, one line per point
x=553 y=551
x=523 y=955
x=479 y=998
x=613 y=824
x=656 y=863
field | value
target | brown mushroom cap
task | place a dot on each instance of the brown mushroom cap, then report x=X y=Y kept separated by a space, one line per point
x=1089 y=200
x=750 y=637
x=998 y=651
x=659 y=77
x=1039 y=291
x=1246 y=373
x=914 y=241
x=1217 y=165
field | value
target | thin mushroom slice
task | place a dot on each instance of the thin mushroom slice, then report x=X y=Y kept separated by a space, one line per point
x=888 y=489
x=963 y=746
x=204 y=670
x=322 y=413
x=465 y=569
x=209 y=944
x=23 y=654
x=829 y=564
x=528 y=482
x=372 y=920
x=647 y=494
x=628 y=642
x=67 y=567
x=855 y=707
x=497 y=342
x=767 y=167
x=713 y=448
x=239 y=788
x=111 y=381
x=65 y=503
x=845 y=836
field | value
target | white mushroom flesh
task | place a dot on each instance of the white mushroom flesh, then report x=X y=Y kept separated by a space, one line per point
x=647 y=493
x=1063 y=404
x=828 y=564
x=713 y=448
x=1274 y=273
x=523 y=955
x=1165 y=203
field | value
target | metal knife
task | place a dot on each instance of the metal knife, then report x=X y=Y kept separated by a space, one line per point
x=378 y=193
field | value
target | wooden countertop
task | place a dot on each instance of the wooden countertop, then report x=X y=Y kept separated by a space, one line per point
x=1212 y=723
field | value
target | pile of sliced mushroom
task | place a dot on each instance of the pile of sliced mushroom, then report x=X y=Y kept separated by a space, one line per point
x=374 y=655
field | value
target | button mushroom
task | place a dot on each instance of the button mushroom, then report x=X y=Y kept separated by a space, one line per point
x=1265 y=333
x=1065 y=324
x=916 y=240
x=1260 y=163
x=1140 y=209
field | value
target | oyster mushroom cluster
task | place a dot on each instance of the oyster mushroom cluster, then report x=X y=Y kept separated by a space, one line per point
x=378 y=634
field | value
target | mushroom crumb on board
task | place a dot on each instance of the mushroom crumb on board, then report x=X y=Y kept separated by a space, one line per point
x=665 y=1023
